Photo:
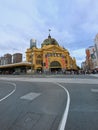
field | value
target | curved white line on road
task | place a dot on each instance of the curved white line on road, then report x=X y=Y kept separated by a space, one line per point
x=65 y=115
x=10 y=92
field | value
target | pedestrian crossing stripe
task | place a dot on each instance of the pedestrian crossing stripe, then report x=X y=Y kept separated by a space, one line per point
x=30 y=96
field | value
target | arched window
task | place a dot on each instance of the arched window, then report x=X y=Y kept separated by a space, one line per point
x=39 y=56
x=55 y=64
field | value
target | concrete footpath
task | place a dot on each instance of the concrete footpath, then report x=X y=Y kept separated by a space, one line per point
x=56 y=79
x=95 y=75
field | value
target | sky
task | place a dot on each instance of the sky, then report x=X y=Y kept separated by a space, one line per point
x=73 y=23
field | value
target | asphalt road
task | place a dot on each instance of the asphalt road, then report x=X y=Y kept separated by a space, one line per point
x=37 y=103
x=30 y=106
x=83 y=111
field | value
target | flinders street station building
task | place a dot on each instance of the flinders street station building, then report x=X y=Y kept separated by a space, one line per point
x=51 y=57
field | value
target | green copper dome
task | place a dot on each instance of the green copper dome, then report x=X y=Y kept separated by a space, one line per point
x=49 y=41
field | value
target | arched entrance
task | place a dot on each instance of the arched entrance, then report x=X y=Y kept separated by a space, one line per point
x=55 y=67
x=39 y=70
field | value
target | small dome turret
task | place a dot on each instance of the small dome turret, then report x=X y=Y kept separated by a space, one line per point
x=49 y=41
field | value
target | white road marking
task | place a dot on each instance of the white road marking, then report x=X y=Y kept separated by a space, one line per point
x=94 y=90
x=10 y=92
x=30 y=96
x=65 y=115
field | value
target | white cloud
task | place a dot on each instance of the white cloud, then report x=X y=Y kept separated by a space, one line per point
x=90 y=27
x=70 y=22
x=79 y=55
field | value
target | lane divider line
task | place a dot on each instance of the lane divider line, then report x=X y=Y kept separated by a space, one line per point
x=10 y=92
x=65 y=115
x=94 y=90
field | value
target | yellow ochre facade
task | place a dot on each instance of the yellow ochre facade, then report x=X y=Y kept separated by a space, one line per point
x=51 y=57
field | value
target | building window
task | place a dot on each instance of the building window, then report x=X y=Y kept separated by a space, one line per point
x=55 y=64
x=39 y=56
x=39 y=62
